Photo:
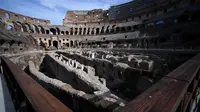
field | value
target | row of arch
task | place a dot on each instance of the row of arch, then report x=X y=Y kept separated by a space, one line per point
x=109 y=29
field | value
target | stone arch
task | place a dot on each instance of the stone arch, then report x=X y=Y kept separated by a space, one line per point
x=113 y=29
x=92 y=32
x=123 y=29
x=36 y=28
x=80 y=31
x=32 y=27
x=17 y=27
x=42 y=29
x=28 y=28
x=71 y=43
x=55 y=43
x=107 y=29
x=53 y=31
x=71 y=31
x=88 y=32
x=117 y=30
x=76 y=31
x=67 y=32
x=25 y=28
x=7 y=15
x=102 y=30
x=58 y=30
x=62 y=33
x=9 y=27
x=136 y=27
x=47 y=31
x=129 y=28
x=67 y=44
x=84 y=31
x=97 y=30
x=24 y=18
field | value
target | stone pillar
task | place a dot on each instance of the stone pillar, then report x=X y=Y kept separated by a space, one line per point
x=95 y=31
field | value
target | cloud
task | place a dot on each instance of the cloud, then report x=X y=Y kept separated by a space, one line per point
x=81 y=4
x=55 y=10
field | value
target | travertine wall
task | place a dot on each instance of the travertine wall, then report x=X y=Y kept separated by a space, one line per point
x=4 y=14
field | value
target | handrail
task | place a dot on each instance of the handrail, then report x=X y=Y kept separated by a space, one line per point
x=26 y=93
x=174 y=92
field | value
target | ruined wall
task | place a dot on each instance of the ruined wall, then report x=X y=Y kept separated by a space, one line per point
x=117 y=75
x=4 y=14
x=85 y=16
x=70 y=75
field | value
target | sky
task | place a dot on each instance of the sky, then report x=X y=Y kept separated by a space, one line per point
x=54 y=10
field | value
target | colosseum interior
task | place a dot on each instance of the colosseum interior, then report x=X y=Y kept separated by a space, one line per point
x=101 y=60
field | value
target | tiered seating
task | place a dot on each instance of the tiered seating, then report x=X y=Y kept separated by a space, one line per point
x=14 y=43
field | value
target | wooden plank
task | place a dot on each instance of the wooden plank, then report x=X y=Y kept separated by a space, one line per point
x=187 y=100
x=163 y=96
x=188 y=73
x=40 y=99
x=195 y=85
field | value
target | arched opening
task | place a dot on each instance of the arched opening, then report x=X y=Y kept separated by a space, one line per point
x=17 y=27
x=84 y=32
x=53 y=31
x=29 y=27
x=92 y=31
x=76 y=31
x=136 y=27
x=33 y=28
x=67 y=44
x=71 y=43
x=80 y=31
x=88 y=31
x=123 y=29
x=9 y=28
x=7 y=16
x=47 y=31
x=24 y=18
x=107 y=29
x=129 y=28
x=23 y=26
x=113 y=29
x=117 y=30
x=67 y=33
x=55 y=44
x=49 y=42
x=62 y=33
x=58 y=30
x=102 y=30
x=97 y=31
x=37 y=29
x=71 y=31
x=42 y=29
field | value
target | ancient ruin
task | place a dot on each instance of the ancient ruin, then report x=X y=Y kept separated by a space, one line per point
x=106 y=60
